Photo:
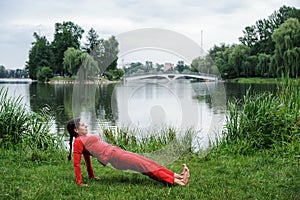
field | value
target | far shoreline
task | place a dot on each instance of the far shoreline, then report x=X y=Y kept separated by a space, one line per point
x=16 y=80
x=72 y=80
x=259 y=80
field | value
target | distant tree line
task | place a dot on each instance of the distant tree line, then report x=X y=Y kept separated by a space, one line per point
x=65 y=54
x=12 y=73
x=270 y=48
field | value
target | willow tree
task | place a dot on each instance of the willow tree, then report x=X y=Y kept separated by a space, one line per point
x=263 y=65
x=239 y=60
x=286 y=58
x=71 y=61
x=75 y=59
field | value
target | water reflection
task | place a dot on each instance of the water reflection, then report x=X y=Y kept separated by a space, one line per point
x=56 y=97
x=151 y=105
x=145 y=105
x=238 y=90
x=17 y=90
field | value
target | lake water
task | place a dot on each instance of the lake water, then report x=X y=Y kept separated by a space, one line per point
x=144 y=106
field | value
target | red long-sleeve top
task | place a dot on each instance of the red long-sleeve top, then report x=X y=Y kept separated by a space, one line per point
x=90 y=145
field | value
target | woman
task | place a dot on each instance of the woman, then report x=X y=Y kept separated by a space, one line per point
x=91 y=145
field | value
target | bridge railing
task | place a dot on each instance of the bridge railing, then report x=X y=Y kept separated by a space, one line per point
x=169 y=73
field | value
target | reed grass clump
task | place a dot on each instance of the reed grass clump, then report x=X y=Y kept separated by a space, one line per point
x=265 y=121
x=131 y=140
x=24 y=129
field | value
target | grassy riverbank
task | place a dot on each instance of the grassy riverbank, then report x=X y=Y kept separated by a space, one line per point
x=218 y=176
x=253 y=80
x=258 y=80
x=71 y=80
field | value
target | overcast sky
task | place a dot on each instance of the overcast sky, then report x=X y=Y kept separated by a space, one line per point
x=222 y=21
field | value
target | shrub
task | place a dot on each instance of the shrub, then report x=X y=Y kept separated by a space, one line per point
x=114 y=75
x=44 y=74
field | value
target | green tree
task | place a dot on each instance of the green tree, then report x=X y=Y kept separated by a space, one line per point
x=133 y=68
x=3 y=73
x=92 y=41
x=75 y=59
x=20 y=73
x=250 y=65
x=88 y=69
x=263 y=66
x=114 y=75
x=72 y=60
x=106 y=54
x=180 y=66
x=250 y=36
x=67 y=34
x=239 y=60
x=199 y=65
x=220 y=56
x=255 y=56
x=286 y=58
x=44 y=74
x=39 y=55
x=259 y=36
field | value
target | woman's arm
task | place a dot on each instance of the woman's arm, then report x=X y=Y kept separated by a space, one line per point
x=88 y=163
x=77 y=152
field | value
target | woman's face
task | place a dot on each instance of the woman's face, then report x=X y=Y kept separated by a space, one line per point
x=82 y=129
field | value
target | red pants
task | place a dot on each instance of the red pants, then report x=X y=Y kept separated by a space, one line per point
x=125 y=160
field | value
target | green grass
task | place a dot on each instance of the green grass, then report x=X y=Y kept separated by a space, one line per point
x=258 y=80
x=71 y=79
x=61 y=78
x=214 y=177
x=253 y=80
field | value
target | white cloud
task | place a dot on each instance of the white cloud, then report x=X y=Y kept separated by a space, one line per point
x=220 y=21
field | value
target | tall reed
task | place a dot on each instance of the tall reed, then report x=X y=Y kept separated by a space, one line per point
x=265 y=121
x=12 y=119
x=131 y=140
x=23 y=128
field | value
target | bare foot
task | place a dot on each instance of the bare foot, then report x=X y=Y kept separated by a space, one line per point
x=179 y=182
x=183 y=179
x=178 y=176
x=186 y=175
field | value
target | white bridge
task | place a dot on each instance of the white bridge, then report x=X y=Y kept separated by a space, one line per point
x=171 y=76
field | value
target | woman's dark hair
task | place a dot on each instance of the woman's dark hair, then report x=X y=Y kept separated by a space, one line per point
x=71 y=125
